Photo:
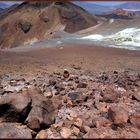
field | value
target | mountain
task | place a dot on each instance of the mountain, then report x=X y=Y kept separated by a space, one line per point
x=1 y=9
x=97 y=9
x=130 y=5
x=3 y=5
x=94 y=8
x=29 y=22
x=120 y=14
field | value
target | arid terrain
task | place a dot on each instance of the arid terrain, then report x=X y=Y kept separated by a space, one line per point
x=100 y=99
x=101 y=96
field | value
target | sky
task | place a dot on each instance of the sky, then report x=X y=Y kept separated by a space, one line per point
x=108 y=3
x=99 y=3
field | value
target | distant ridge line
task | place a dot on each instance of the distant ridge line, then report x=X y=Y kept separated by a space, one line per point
x=73 y=0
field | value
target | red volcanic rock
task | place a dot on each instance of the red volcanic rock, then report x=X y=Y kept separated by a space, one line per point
x=136 y=96
x=135 y=119
x=42 y=112
x=14 y=131
x=103 y=132
x=14 y=107
x=123 y=12
x=81 y=85
x=110 y=95
x=101 y=122
x=120 y=12
x=118 y=114
x=65 y=132
x=129 y=132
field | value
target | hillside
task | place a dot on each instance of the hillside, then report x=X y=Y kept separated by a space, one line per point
x=120 y=14
x=32 y=21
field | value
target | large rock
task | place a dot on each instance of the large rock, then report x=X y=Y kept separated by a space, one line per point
x=65 y=132
x=14 y=107
x=74 y=95
x=100 y=133
x=128 y=79
x=25 y=26
x=109 y=95
x=42 y=135
x=77 y=97
x=89 y=116
x=118 y=114
x=101 y=122
x=81 y=85
x=91 y=134
x=42 y=113
x=129 y=133
x=135 y=119
x=14 y=131
x=136 y=96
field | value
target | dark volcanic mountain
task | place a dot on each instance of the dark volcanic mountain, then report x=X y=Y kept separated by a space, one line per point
x=120 y=14
x=1 y=9
x=32 y=21
x=130 y=5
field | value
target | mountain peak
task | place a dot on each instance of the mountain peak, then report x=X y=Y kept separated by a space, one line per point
x=31 y=21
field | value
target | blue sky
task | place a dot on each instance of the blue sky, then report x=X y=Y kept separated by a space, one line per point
x=9 y=2
x=108 y=3
x=99 y=3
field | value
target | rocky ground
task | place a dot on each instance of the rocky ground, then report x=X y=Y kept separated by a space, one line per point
x=86 y=105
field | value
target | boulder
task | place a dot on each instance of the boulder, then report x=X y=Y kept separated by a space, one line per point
x=129 y=133
x=109 y=95
x=14 y=107
x=118 y=114
x=42 y=112
x=25 y=26
x=136 y=96
x=102 y=106
x=89 y=117
x=100 y=133
x=135 y=119
x=76 y=97
x=78 y=122
x=75 y=131
x=42 y=134
x=14 y=131
x=57 y=102
x=81 y=85
x=101 y=122
x=91 y=134
x=65 y=132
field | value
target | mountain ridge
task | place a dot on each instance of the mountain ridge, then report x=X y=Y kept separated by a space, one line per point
x=32 y=21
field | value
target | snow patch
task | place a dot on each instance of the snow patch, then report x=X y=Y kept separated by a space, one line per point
x=129 y=37
x=93 y=37
x=111 y=21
